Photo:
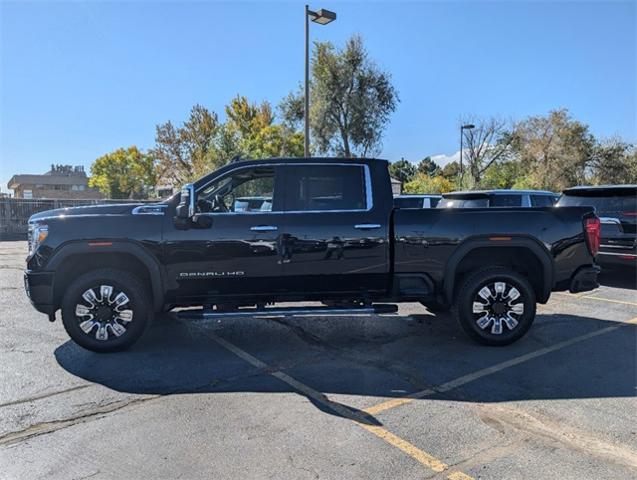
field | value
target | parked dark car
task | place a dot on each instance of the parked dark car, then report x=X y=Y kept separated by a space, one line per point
x=498 y=198
x=330 y=235
x=616 y=206
x=416 y=201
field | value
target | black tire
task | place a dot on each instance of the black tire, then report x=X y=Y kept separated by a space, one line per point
x=106 y=314
x=483 y=322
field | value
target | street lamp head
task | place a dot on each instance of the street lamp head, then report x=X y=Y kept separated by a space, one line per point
x=468 y=126
x=323 y=16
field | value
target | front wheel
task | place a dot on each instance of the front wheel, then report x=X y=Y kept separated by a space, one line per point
x=495 y=306
x=106 y=310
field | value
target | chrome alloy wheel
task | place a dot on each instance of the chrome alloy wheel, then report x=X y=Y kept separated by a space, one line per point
x=498 y=304
x=105 y=314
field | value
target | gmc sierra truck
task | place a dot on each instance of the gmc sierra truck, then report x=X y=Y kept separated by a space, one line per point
x=255 y=233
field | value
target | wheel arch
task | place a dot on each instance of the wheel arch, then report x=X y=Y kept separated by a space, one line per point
x=76 y=258
x=510 y=251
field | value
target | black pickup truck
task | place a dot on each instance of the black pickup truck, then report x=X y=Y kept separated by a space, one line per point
x=289 y=230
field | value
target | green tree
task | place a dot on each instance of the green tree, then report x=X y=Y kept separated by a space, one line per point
x=428 y=167
x=502 y=175
x=124 y=173
x=556 y=151
x=614 y=162
x=351 y=100
x=423 y=183
x=185 y=153
x=256 y=134
x=402 y=170
x=451 y=171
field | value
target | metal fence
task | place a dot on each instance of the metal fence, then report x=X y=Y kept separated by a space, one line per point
x=15 y=212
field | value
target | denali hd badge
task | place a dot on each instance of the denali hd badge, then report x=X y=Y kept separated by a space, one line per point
x=210 y=274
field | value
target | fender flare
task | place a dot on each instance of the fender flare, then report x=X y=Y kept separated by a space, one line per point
x=114 y=246
x=538 y=250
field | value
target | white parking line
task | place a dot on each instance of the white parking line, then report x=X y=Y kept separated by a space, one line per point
x=463 y=380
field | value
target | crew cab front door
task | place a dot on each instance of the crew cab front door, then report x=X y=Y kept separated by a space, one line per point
x=334 y=240
x=236 y=254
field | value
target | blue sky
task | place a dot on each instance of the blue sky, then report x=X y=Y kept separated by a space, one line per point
x=79 y=79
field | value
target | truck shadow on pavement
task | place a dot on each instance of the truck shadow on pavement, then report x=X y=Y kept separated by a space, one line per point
x=619 y=277
x=382 y=357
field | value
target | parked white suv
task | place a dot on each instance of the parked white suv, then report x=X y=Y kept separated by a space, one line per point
x=498 y=198
x=416 y=201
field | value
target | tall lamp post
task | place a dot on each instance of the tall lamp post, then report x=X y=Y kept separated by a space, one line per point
x=322 y=17
x=468 y=126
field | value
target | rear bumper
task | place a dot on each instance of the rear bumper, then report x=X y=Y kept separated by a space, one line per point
x=617 y=257
x=585 y=279
x=39 y=288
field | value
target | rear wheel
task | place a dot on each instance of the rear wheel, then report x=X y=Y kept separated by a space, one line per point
x=495 y=306
x=106 y=310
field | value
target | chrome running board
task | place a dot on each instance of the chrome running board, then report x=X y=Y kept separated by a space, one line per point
x=287 y=312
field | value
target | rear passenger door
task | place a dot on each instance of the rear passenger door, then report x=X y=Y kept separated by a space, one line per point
x=334 y=240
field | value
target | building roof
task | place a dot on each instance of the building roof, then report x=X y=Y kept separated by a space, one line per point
x=47 y=180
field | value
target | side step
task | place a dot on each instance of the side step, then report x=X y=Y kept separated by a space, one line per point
x=286 y=312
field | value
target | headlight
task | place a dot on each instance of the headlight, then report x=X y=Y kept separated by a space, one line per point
x=37 y=233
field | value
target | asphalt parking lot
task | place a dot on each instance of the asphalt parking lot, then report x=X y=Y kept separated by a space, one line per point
x=395 y=396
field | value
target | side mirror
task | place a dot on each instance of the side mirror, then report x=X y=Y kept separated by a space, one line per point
x=186 y=207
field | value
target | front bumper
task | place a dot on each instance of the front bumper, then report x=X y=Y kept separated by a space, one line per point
x=585 y=279
x=39 y=288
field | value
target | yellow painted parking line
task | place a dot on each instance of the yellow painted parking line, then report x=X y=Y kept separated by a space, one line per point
x=414 y=452
x=592 y=297
x=458 y=476
x=623 y=302
x=498 y=367
x=359 y=419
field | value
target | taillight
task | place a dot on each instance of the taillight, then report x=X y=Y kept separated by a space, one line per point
x=592 y=227
x=629 y=214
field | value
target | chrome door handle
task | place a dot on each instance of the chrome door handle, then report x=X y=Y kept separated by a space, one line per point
x=264 y=228
x=367 y=226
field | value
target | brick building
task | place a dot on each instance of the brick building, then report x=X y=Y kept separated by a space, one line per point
x=62 y=181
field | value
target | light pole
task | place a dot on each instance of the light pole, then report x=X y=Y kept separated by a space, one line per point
x=468 y=126
x=322 y=17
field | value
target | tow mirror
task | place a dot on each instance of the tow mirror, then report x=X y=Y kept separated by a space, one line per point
x=186 y=208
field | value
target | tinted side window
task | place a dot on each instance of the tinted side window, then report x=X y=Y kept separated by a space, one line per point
x=408 y=202
x=542 y=200
x=506 y=201
x=325 y=187
x=455 y=202
x=434 y=202
x=243 y=190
